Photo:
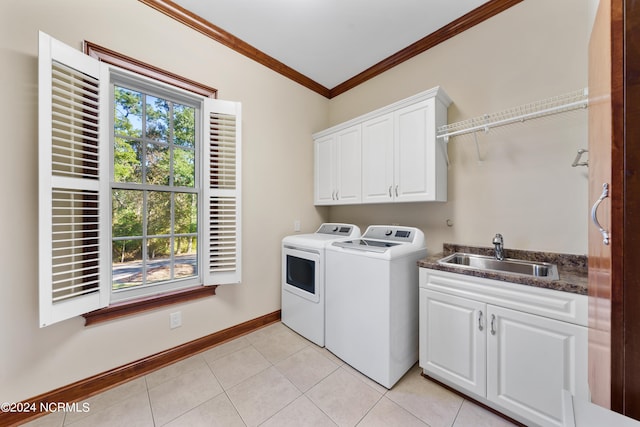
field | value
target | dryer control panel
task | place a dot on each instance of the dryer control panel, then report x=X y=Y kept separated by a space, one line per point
x=346 y=230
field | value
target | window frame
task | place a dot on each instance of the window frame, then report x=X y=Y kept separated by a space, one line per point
x=210 y=273
x=150 y=88
x=135 y=66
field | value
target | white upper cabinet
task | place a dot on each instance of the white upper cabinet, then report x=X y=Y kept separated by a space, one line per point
x=325 y=177
x=338 y=175
x=420 y=169
x=349 y=166
x=377 y=159
x=399 y=159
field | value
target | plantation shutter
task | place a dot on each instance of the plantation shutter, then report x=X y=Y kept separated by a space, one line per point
x=220 y=231
x=73 y=183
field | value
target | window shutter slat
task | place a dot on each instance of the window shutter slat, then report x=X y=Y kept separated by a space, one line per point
x=221 y=191
x=73 y=183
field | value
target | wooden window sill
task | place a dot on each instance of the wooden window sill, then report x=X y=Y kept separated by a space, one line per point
x=139 y=305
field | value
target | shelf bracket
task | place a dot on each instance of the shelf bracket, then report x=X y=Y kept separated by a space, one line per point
x=445 y=149
x=475 y=137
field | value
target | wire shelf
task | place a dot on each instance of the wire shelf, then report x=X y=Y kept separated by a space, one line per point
x=557 y=104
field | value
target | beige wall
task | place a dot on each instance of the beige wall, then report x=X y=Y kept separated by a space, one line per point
x=279 y=117
x=525 y=187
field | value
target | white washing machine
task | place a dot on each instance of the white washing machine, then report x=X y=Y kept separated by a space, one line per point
x=303 y=278
x=372 y=301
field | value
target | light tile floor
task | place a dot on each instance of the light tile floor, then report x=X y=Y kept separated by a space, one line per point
x=273 y=377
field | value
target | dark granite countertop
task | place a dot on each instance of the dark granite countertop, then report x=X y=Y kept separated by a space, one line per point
x=572 y=269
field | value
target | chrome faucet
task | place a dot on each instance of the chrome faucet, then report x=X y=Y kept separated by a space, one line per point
x=498 y=243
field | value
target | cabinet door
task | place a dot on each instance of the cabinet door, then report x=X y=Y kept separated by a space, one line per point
x=349 y=166
x=324 y=169
x=452 y=339
x=530 y=360
x=415 y=153
x=377 y=160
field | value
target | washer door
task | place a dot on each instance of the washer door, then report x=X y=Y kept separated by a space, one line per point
x=301 y=273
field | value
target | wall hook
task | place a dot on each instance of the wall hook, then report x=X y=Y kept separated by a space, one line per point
x=577 y=162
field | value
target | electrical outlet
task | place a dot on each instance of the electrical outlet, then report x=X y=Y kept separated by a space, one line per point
x=175 y=320
x=296 y=225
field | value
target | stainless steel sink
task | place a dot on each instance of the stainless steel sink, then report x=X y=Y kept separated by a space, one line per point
x=540 y=270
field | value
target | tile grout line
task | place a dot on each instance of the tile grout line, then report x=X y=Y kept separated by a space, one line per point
x=458 y=413
x=234 y=407
x=303 y=393
x=370 y=409
x=146 y=386
x=225 y=390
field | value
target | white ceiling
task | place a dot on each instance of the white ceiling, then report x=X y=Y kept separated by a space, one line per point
x=330 y=41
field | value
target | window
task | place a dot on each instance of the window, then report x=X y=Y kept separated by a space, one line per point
x=154 y=193
x=139 y=185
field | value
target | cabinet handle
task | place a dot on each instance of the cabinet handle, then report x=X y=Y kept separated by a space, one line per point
x=337 y=195
x=594 y=213
x=333 y=195
x=390 y=195
x=480 y=325
x=493 y=324
x=396 y=191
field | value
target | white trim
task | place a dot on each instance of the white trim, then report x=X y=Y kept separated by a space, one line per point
x=51 y=50
x=213 y=275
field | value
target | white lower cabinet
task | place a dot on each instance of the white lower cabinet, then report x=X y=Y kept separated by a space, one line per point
x=509 y=359
x=530 y=360
x=452 y=339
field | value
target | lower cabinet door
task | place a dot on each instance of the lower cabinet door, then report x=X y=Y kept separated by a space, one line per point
x=452 y=339
x=530 y=360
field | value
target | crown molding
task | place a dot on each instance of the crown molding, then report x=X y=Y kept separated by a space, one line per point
x=229 y=40
x=476 y=16
x=465 y=22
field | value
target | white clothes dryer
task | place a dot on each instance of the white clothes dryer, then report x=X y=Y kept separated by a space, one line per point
x=372 y=301
x=303 y=278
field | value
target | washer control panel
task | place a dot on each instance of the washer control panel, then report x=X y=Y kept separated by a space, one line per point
x=392 y=232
